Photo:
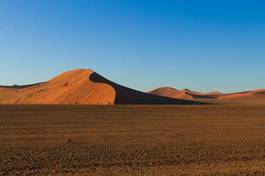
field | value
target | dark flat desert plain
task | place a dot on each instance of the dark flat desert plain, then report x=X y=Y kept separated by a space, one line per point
x=80 y=123
x=132 y=140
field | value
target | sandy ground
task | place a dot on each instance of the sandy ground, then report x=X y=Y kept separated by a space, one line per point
x=132 y=140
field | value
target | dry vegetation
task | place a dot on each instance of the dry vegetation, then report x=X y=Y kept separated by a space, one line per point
x=132 y=140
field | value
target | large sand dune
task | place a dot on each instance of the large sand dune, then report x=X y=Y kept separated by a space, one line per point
x=82 y=86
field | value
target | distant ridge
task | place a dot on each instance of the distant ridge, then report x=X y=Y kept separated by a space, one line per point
x=81 y=86
x=15 y=86
x=246 y=97
x=186 y=93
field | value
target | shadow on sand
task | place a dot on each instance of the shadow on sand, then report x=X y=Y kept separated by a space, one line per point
x=126 y=95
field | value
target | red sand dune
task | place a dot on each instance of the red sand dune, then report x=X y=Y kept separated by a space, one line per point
x=82 y=86
x=185 y=94
x=247 y=97
x=171 y=92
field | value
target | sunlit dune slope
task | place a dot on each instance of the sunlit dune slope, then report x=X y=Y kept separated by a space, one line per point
x=72 y=87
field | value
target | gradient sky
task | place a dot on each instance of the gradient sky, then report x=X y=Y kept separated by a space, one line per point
x=196 y=44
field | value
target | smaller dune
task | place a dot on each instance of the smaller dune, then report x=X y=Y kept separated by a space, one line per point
x=247 y=97
x=256 y=97
x=185 y=94
x=171 y=92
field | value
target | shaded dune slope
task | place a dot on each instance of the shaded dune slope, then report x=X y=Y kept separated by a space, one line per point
x=82 y=86
x=126 y=95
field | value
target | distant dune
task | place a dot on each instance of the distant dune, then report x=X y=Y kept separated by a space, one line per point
x=247 y=97
x=171 y=92
x=81 y=86
x=185 y=94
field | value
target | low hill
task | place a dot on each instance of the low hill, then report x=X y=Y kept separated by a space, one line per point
x=185 y=94
x=256 y=97
x=248 y=97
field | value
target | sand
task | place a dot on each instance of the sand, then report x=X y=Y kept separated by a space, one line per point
x=72 y=87
x=132 y=140
x=256 y=97
x=84 y=86
x=185 y=94
x=171 y=92
x=247 y=97
x=80 y=86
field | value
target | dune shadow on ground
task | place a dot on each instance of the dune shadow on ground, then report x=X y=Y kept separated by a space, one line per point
x=126 y=95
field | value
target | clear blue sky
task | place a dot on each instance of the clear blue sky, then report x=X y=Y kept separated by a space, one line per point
x=201 y=45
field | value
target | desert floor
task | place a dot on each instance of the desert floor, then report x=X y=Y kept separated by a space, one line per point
x=132 y=140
